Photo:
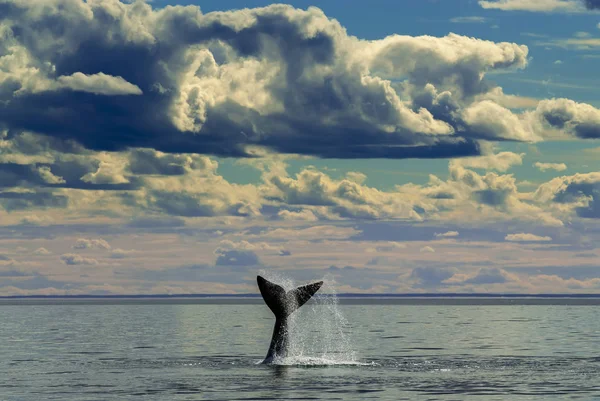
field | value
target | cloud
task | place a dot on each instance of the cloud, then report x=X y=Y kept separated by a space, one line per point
x=216 y=279
x=313 y=233
x=551 y=119
x=492 y=121
x=581 y=43
x=533 y=5
x=228 y=84
x=333 y=97
x=468 y=196
x=199 y=192
x=247 y=246
x=192 y=188
x=469 y=20
x=497 y=95
x=74 y=259
x=362 y=279
x=578 y=193
x=302 y=215
x=119 y=253
x=389 y=246
x=345 y=197
x=29 y=75
x=157 y=222
x=592 y=4
x=224 y=82
x=553 y=282
x=28 y=199
x=488 y=275
x=550 y=166
x=427 y=249
x=48 y=177
x=12 y=273
x=501 y=161
x=447 y=234
x=35 y=220
x=6 y=260
x=524 y=237
x=430 y=276
x=42 y=251
x=236 y=258
x=98 y=84
x=33 y=159
x=577 y=119
x=83 y=243
x=153 y=162
x=464 y=195
x=549 y=82
x=110 y=171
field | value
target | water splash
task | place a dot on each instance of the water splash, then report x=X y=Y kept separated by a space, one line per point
x=319 y=334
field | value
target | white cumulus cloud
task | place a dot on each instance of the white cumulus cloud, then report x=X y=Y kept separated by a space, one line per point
x=525 y=237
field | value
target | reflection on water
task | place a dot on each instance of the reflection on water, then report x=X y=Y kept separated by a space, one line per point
x=194 y=352
x=279 y=371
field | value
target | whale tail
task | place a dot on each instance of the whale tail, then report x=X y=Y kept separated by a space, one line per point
x=283 y=303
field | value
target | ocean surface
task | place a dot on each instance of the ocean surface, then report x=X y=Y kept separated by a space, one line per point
x=359 y=350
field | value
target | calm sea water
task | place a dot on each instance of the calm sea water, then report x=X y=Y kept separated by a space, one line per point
x=209 y=351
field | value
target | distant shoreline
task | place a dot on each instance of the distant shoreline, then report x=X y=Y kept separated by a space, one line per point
x=342 y=299
x=342 y=295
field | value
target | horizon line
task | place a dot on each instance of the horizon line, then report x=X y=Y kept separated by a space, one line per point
x=341 y=295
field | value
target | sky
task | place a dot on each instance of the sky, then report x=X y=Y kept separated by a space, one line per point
x=178 y=147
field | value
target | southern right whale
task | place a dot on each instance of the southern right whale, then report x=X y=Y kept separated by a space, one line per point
x=283 y=304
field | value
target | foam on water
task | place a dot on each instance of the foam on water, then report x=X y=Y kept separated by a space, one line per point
x=319 y=334
x=317 y=361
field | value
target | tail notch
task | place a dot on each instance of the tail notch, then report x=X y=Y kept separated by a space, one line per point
x=283 y=303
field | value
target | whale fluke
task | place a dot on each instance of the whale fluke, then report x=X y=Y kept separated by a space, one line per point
x=283 y=304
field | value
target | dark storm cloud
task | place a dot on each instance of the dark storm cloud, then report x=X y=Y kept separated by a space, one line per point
x=112 y=76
